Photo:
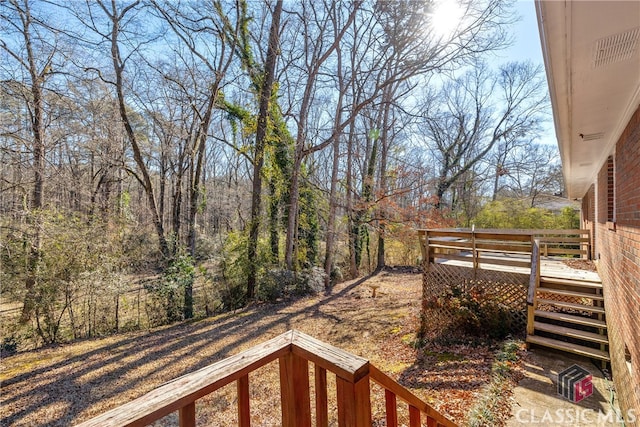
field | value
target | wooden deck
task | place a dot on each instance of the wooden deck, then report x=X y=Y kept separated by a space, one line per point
x=549 y=266
x=565 y=305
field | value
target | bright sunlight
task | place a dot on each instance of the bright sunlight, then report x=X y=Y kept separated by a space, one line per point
x=446 y=17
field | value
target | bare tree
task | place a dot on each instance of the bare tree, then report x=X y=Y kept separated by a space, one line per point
x=202 y=94
x=119 y=22
x=30 y=53
x=531 y=170
x=316 y=54
x=470 y=115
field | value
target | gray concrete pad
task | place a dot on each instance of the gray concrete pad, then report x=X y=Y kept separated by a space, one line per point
x=536 y=400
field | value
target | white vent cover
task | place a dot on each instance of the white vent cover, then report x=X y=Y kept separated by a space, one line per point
x=616 y=48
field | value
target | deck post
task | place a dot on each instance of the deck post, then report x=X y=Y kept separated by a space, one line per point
x=423 y=238
x=294 y=391
x=534 y=283
x=474 y=253
x=354 y=402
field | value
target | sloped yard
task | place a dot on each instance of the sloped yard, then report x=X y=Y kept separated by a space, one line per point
x=71 y=383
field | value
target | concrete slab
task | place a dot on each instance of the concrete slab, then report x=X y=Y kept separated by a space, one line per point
x=537 y=401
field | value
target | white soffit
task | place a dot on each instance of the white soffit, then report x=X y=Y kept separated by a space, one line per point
x=592 y=56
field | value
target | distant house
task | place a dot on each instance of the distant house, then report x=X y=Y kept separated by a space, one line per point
x=592 y=56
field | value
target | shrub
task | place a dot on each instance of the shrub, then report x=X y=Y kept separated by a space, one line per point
x=279 y=283
x=169 y=290
x=473 y=312
x=274 y=284
x=517 y=214
x=336 y=275
x=206 y=248
x=311 y=281
x=232 y=297
x=9 y=346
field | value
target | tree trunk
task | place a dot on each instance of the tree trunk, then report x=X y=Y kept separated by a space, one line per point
x=37 y=127
x=261 y=133
x=118 y=66
x=333 y=203
x=294 y=196
x=274 y=220
x=384 y=149
x=352 y=232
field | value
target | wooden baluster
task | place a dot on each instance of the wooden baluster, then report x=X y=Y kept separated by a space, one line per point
x=391 y=408
x=346 y=405
x=431 y=422
x=294 y=391
x=244 y=416
x=187 y=415
x=354 y=403
x=322 y=410
x=414 y=416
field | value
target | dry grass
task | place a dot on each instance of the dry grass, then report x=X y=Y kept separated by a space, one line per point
x=68 y=384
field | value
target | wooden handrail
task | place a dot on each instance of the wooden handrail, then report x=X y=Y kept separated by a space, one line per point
x=398 y=391
x=181 y=391
x=294 y=350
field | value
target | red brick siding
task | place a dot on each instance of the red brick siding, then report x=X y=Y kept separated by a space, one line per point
x=619 y=266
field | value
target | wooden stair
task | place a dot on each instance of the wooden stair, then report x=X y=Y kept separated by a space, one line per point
x=569 y=315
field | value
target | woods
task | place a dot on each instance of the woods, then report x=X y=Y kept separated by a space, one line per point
x=167 y=160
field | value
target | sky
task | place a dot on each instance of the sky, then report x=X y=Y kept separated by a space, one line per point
x=527 y=38
x=527 y=47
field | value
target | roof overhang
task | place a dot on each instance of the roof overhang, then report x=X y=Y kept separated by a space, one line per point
x=591 y=51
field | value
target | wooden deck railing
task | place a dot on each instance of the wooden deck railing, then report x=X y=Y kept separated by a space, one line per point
x=489 y=247
x=293 y=350
x=534 y=283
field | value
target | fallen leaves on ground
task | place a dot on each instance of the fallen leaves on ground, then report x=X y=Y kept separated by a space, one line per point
x=581 y=264
x=72 y=383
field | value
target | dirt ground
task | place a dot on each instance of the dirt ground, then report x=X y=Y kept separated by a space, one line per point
x=72 y=383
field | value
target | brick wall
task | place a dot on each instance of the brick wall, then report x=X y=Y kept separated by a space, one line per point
x=618 y=248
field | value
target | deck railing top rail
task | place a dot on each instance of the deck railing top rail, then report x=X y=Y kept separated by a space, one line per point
x=510 y=231
x=294 y=350
x=486 y=246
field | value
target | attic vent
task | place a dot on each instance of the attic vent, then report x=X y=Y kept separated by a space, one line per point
x=616 y=48
x=591 y=136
